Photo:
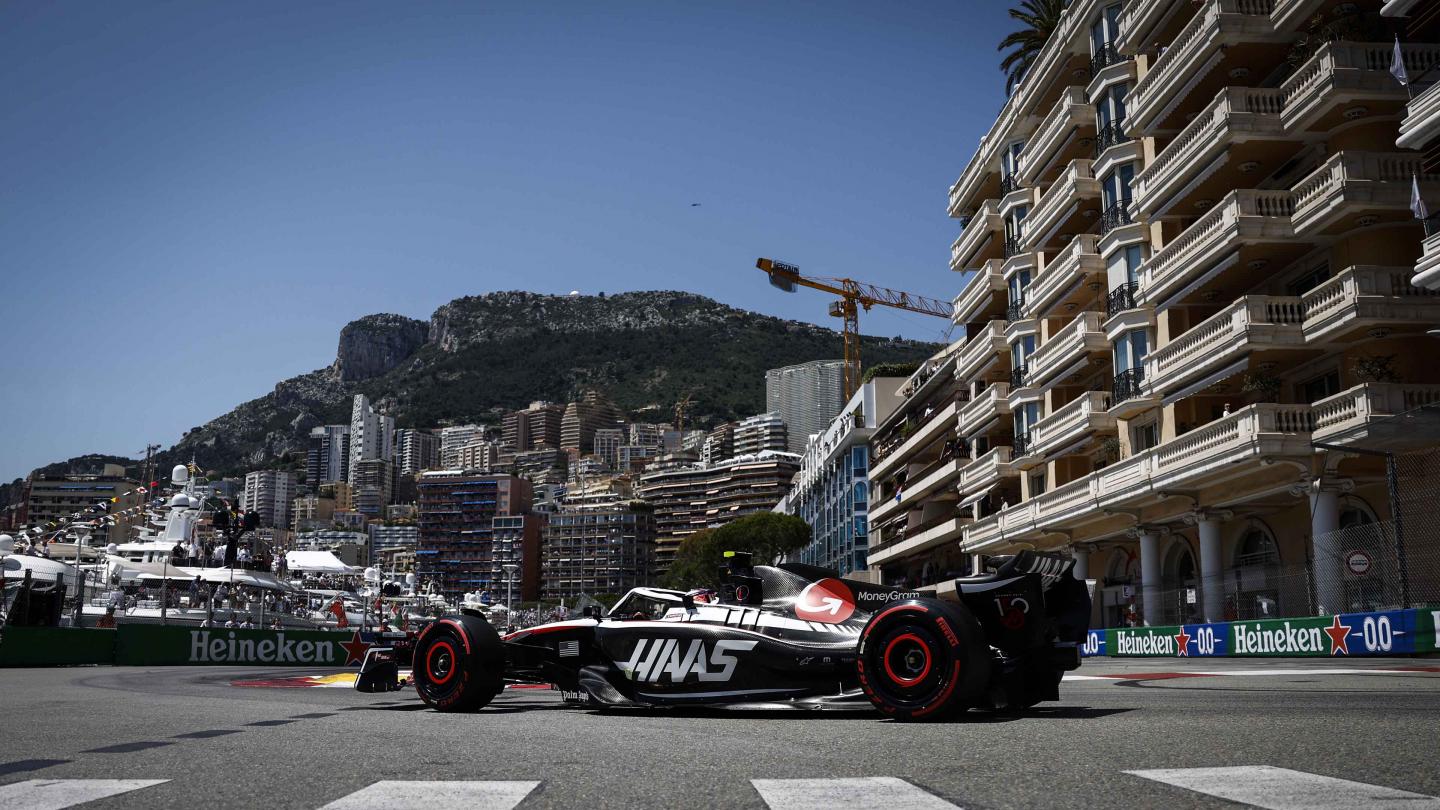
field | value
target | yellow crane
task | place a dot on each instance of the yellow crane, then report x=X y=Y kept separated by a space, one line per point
x=853 y=296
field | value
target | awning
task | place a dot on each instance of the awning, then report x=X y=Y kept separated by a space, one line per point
x=975 y=498
x=321 y=562
x=1207 y=381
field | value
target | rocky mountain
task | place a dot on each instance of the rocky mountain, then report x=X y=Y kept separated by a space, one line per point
x=480 y=356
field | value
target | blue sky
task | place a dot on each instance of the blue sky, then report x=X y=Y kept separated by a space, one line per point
x=197 y=197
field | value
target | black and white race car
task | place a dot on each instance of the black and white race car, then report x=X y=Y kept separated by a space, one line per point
x=790 y=635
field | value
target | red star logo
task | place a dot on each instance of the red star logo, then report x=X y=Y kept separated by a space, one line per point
x=354 y=649
x=1338 y=641
x=1182 y=642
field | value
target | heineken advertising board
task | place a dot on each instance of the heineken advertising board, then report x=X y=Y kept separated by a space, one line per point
x=149 y=645
x=1387 y=632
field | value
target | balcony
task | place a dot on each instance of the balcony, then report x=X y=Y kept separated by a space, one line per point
x=1108 y=136
x=1063 y=278
x=988 y=407
x=1253 y=323
x=1013 y=247
x=926 y=431
x=1349 y=415
x=1339 y=74
x=1349 y=183
x=1236 y=115
x=1422 y=120
x=922 y=538
x=1218 y=25
x=1017 y=375
x=1121 y=298
x=1115 y=215
x=1241 y=217
x=1104 y=57
x=1060 y=208
x=1068 y=350
x=1070 y=120
x=1210 y=454
x=1427 y=268
x=920 y=487
x=1071 y=424
x=981 y=352
x=983 y=294
x=986 y=471
x=1365 y=298
x=980 y=239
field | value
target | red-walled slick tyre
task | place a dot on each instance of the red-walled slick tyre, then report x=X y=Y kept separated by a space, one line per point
x=923 y=659
x=459 y=665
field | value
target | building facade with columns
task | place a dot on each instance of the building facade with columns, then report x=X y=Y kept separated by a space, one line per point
x=1188 y=245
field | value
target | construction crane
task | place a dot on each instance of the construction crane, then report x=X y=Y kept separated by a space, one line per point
x=682 y=409
x=853 y=295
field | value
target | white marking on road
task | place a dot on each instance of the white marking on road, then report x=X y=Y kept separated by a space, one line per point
x=55 y=794
x=869 y=793
x=1283 y=789
x=426 y=795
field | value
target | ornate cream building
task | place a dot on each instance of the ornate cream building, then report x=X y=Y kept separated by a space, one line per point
x=1189 y=246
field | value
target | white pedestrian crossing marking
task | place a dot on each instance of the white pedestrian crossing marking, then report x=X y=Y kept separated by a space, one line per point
x=869 y=793
x=1283 y=789
x=400 y=795
x=56 y=794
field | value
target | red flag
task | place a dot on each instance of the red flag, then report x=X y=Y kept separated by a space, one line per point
x=339 y=610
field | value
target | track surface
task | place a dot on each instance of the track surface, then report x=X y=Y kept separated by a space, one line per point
x=223 y=745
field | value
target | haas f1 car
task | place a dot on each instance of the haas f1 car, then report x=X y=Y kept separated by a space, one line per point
x=791 y=635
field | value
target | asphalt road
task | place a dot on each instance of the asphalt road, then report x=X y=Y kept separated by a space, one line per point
x=221 y=745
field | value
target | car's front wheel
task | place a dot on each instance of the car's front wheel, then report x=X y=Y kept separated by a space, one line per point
x=459 y=665
x=923 y=659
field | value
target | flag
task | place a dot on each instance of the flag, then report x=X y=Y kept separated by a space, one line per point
x=1417 y=205
x=339 y=610
x=1397 y=66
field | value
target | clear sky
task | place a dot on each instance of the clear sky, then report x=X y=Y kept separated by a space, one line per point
x=196 y=197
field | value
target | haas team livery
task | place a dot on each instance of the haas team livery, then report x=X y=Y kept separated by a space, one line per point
x=790 y=635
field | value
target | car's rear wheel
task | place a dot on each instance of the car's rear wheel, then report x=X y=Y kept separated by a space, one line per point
x=923 y=659
x=459 y=665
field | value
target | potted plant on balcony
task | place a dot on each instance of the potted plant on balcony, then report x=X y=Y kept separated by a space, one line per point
x=1263 y=387
x=1110 y=450
x=1376 y=368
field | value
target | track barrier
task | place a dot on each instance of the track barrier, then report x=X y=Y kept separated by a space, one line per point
x=1385 y=632
x=160 y=645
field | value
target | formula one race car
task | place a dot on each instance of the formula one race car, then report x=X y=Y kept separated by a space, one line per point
x=790 y=635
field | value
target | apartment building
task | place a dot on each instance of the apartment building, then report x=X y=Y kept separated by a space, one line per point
x=757 y=434
x=1189 y=242
x=457 y=522
x=806 y=396
x=719 y=444
x=831 y=490
x=1420 y=129
x=604 y=548
x=53 y=497
x=516 y=542
x=582 y=418
x=327 y=455
x=688 y=497
x=372 y=435
x=455 y=437
x=607 y=444
x=416 y=450
x=536 y=426
x=269 y=493
x=372 y=485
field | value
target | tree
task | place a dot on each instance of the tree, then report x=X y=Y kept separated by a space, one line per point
x=766 y=535
x=1040 y=18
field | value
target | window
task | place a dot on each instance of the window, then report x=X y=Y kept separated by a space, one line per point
x=1123 y=266
x=861 y=495
x=1143 y=437
x=1019 y=283
x=859 y=456
x=1106 y=29
x=1326 y=385
x=1010 y=166
x=1110 y=108
x=1309 y=281
x=1037 y=483
x=1115 y=187
x=1021 y=350
x=1013 y=221
x=1025 y=417
x=1130 y=350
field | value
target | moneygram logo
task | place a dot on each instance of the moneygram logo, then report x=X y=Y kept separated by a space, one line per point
x=205 y=649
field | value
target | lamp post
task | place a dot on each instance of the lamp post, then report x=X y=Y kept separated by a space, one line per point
x=510 y=569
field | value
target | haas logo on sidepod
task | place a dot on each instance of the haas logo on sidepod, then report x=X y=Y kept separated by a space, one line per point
x=656 y=657
x=828 y=601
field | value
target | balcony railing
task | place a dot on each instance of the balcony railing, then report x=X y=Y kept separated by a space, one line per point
x=1242 y=213
x=1339 y=71
x=1077 y=260
x=1059 y=201
x=980 y=351
x=1372 y=179
x=1110 y=135
x=1121 y=298
x=1114 y=216
x=992 y=402
x=1008 y=183
x=1105 y=56
x=1017 y=376
x=1087 y=412
x=1252 y=322
x=1082 y=336
x=1014 y=310
x=1347 y=413
x=1013 y=247
x=1128 y=384
x=1020 y=445
x=979 y=292
x=977 y=231
x=1071 y=112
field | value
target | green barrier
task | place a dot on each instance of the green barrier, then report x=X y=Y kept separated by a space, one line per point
x=56 y=646
x=157 y=645
x=1382 y=632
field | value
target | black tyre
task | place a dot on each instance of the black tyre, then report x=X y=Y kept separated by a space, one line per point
x=923 y=659
x=459 y=665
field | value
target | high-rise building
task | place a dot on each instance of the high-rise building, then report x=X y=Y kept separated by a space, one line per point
x=52 y=497
x=536 y=426
x=372 y=435
x=455 y=437
x=311 y=512
x=269 y=493
x=690 y=497
x=582 y=418
x=756 y=434
x=479 y=455
x=607 y=444
x=831 y=491
x=634 y=457
x=327 y=455
x=1188 y=243
x=607 y=548
x=373 y=485
x=517 y=542
x=546 y=465
x=807 y=396
x=718 y=445
x=648 y=434
x=457 y=514
x=416 y=450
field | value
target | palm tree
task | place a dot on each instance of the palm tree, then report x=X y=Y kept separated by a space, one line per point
x=1040 y=18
